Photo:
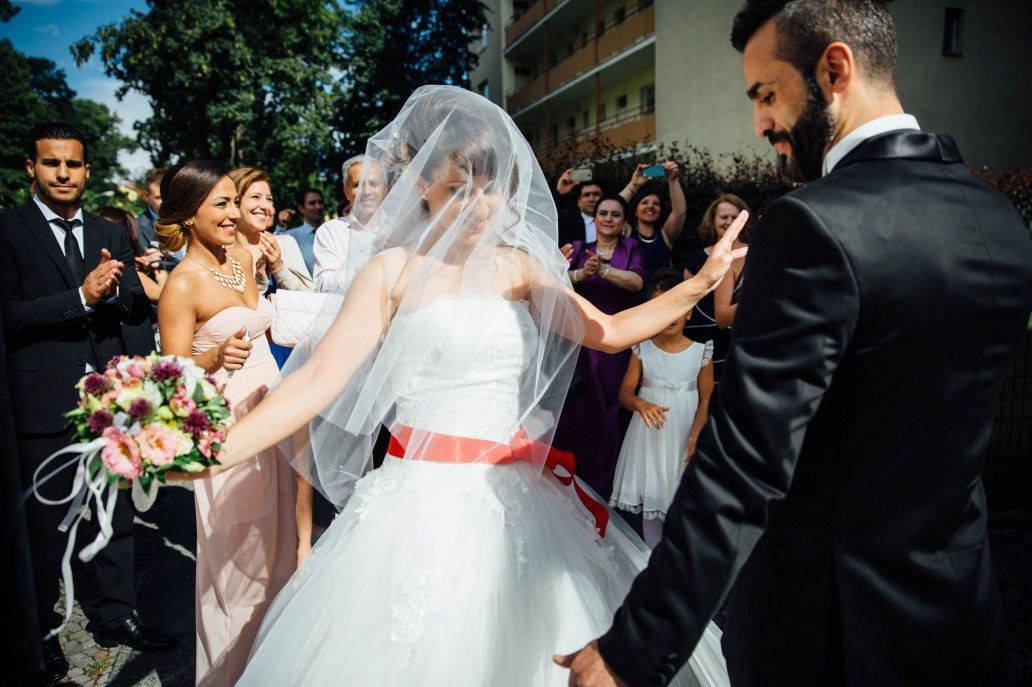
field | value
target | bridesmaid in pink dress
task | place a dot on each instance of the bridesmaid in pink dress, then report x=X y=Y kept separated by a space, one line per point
x=247 y=539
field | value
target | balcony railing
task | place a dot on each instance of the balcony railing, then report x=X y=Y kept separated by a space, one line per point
x=520 y=23
x=622 y=129
x=612 y=37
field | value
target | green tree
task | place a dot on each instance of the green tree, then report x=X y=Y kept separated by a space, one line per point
x=391 y=48
x=230 y=80
x=33 y=90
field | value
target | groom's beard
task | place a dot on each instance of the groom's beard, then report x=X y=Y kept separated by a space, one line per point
x=808 y=138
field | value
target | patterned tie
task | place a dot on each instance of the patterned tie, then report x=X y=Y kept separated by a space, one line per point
x=71 y=249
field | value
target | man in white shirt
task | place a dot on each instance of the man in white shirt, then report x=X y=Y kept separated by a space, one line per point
x=343 y=246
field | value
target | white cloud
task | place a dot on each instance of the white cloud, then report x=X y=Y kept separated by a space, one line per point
x=50 y=28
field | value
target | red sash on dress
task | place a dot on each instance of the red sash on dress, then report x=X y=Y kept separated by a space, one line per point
x=447 y=448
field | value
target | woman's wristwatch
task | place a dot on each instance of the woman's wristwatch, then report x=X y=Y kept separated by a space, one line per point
x=605 y=270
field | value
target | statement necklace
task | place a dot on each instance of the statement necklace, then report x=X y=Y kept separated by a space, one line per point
x=235 y=283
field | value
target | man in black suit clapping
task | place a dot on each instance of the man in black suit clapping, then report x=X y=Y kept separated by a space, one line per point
x=839 y=475
x=67 y=285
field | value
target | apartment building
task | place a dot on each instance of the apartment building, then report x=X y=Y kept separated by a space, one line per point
x=641 y=71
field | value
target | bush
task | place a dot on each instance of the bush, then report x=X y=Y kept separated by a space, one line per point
x=1017 y=186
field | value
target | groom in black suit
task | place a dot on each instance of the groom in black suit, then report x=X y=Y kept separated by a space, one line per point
x=839 y=475
x=67 y=287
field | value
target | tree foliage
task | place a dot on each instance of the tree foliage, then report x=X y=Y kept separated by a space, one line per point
x=34 y=90
x=394 y=46
x=291 y=86
x=229 y=80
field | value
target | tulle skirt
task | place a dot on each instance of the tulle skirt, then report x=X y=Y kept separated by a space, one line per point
x=452 y=574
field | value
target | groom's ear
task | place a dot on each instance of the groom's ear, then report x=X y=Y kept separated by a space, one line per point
x=836 y=69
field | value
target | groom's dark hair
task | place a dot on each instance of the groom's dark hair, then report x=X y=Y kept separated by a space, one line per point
x=806 y=27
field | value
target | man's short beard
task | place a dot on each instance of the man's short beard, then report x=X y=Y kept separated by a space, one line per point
x=808 y=138
x=45 y=195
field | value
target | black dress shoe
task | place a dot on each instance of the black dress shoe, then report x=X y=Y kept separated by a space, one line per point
x=132 y=632
x=54 y=660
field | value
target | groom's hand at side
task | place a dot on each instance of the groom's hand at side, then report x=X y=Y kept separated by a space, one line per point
x=588 y=668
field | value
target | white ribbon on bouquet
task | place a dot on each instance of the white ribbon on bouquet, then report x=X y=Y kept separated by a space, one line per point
x=85 y=489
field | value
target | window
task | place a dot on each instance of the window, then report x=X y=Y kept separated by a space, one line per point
x=621 y=103
x=585 y=119
x=619 y=15
x=571 y=123
x=484 y=30
x=648 y=98
x=553 y=135
x=483 y=88
x=602 y=112
x=951 y=33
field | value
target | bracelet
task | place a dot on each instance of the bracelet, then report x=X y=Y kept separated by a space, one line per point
x=605 y=271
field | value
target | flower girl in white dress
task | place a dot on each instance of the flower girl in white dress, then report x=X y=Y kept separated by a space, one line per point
x=671 y=406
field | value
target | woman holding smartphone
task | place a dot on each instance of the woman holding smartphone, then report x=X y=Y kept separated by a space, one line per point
x=655 y=233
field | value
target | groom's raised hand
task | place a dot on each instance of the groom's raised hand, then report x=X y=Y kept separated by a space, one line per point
x=588 y=668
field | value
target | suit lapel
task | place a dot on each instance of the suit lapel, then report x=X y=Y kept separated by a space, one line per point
x=904 y=145
x=41 y=231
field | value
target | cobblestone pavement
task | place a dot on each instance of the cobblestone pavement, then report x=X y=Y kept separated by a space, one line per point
x=165 y=574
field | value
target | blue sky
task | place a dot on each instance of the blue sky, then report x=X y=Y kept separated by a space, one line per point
x=45 y=28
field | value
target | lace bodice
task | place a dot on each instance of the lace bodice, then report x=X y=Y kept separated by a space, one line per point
x=465 y=365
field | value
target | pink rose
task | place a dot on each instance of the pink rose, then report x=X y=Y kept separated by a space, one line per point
x=158 y=444
x=120 y=454
x=136 y=370
x=204 y=443
x=181 y=404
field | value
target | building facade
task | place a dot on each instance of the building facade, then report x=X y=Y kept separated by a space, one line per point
x=641 y=71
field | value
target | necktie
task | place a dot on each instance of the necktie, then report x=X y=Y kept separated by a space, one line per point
x=71 y=250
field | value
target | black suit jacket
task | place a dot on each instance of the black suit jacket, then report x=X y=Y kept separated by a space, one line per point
x=571 y=226
x=845 y=448
x=50 y=337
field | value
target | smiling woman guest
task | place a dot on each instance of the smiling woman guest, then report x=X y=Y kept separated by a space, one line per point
x=274 y=255
x=610 y=273
x=654 y=226
x=210 y=310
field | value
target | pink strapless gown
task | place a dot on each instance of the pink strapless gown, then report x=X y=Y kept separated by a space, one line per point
x=246 y=534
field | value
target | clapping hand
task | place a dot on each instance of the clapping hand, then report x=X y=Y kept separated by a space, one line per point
x=270 y=251
x=149 y=261
x=102 y=282
x=723 y=254
x=652 y=415
x=567 y=251
x=593 y=265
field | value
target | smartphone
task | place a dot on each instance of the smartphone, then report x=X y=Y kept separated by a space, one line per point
x=654 y=171
x=579 y=176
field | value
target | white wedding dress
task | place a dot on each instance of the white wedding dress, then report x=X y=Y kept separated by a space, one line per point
x=445 y=574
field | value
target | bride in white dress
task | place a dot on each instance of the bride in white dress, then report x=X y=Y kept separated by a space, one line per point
x=470 y=557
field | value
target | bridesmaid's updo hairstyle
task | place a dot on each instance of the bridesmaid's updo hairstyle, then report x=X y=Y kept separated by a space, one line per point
x=183 y=189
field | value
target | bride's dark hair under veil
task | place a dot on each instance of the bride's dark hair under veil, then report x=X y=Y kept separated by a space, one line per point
x=483 y=265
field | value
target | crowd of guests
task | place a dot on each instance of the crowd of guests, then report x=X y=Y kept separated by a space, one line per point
x=192 y=275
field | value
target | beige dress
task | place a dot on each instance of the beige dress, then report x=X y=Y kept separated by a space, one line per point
x=246 y=534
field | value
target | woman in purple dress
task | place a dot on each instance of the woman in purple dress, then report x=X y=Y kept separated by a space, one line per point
x=609 y=272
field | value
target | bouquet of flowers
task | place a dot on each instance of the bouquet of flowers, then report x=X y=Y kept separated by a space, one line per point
x=154 y=414
x=136 y=421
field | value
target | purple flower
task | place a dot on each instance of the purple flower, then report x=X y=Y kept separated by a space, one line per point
x=165 y=370
x=196 y=422
x=98 y=421
x=95 y=384
x=139 y=409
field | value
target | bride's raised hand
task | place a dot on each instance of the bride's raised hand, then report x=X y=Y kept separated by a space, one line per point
x=723 y=254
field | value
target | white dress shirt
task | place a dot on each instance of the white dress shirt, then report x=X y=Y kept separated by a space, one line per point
x=59 y=234
x=589 y=228
x=879 y=125
x=342 y=248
